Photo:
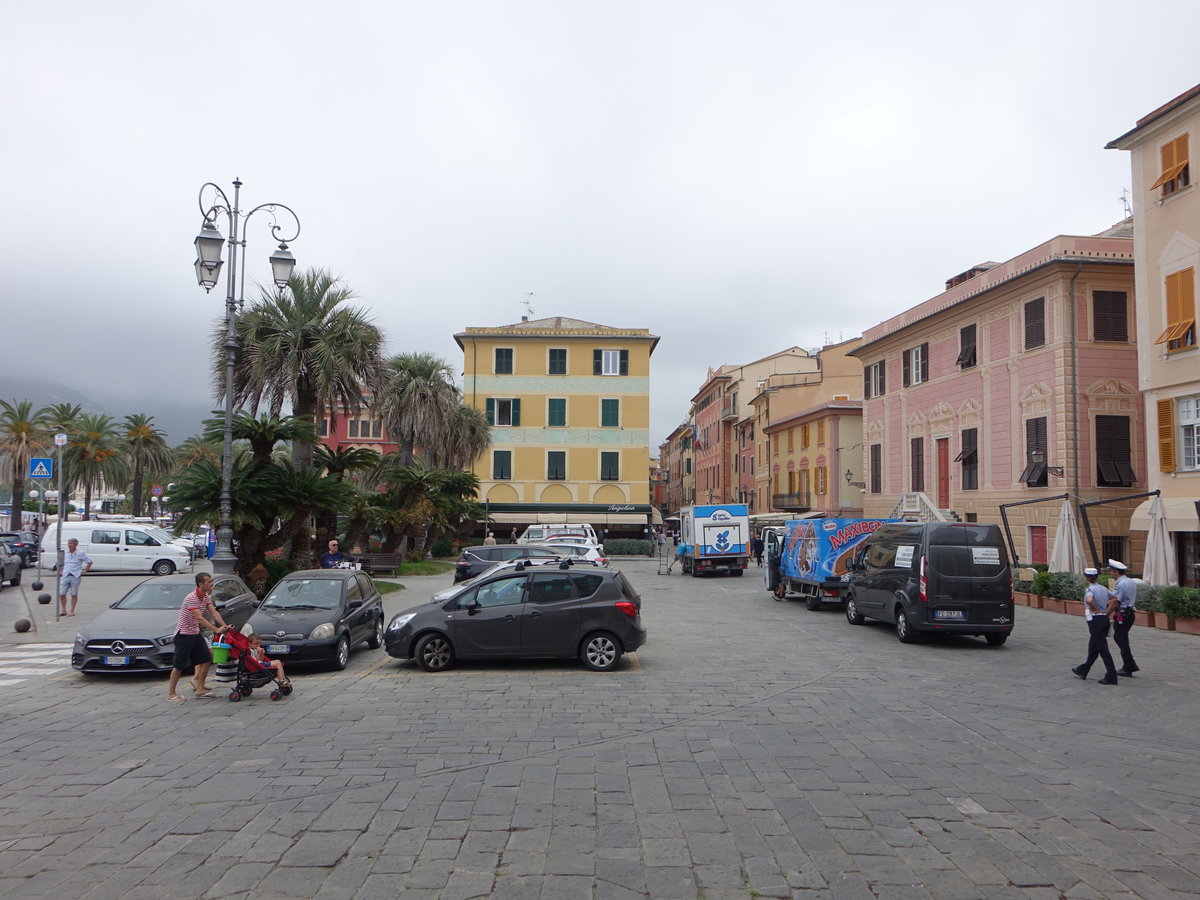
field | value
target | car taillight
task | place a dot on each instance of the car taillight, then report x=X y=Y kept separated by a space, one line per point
x=463 y=558
x=923 y=584
x=630 y=609
x=603 y=560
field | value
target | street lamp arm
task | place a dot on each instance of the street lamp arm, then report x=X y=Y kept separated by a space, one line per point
x=276 y=228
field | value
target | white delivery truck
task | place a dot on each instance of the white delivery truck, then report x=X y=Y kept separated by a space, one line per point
x=715 y=538
x=119 y=547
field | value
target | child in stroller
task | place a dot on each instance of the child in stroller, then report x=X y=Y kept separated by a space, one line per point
x=254 y=668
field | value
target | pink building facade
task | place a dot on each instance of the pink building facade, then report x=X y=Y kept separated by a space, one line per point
x=1019 y=382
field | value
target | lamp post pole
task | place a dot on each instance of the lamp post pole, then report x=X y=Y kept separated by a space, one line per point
x=208 y=268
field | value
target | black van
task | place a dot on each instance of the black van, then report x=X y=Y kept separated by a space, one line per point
x=943 y=577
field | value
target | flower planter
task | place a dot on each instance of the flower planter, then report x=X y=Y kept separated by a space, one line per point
x=1020 y=598
x=1187 y=626
x=1053 y=604
x=1159 y=620
x=1073 y=607
x=1147 y=619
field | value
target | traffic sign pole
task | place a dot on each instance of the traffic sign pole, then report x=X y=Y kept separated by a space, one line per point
x=60 y=441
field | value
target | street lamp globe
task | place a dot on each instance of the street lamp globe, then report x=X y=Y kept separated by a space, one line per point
x=208 y=255
x=282 y=264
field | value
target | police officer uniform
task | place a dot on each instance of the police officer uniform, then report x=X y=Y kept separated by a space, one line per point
x=1126 y=592
x=1095 y=610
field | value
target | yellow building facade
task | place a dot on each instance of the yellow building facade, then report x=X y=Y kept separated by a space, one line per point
x=568 y=403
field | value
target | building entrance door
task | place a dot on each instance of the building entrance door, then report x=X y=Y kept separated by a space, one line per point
x=943 y=473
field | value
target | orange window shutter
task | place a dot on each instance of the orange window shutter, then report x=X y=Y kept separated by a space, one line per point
x=1166 y=435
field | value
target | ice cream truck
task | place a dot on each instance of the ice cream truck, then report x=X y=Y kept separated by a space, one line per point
x=811 y=557
x=715 y=538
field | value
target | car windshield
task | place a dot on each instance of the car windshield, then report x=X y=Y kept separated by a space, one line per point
x=156 y=595
x=305 y=593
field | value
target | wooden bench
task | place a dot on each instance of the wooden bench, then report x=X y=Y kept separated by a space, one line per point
x=378 y=563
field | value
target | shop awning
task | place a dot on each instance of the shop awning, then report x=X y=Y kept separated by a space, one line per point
x=526 y=518
x=1181 y=515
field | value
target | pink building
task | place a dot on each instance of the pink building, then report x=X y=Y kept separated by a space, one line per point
x=1018 y=382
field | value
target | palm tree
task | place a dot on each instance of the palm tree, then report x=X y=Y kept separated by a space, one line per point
x=415 y=399
x=197 y=448
x=262 y=432
x=95 y=450
x=147 y=448
x=337 y=465
x=302 y=346
x=466 y=437
x=61 y=418
x=22 y=434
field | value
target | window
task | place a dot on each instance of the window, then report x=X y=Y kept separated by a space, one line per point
x=503 y=592
x=1180 y=290
x=876 y=468
x=556 y=412
x=106 y=537
x=610 y=413
x=352 y=428
x=501 y=465
x=969 y=457
x=503 y=412
x=1189 y=426
x=803 y=437
x=549 y=588
x=775 y=440
x=792 y=439
x=323 y=428
x=802 y=485
x=1109 y=317
x=556 y=465
x=558 y=361
x=687 y=466
x=610 y=362
x=918 y=463
x=1113 y=460
x=820 y=479
x=139 y=539
x=874 y=380
x=504 y=361
x=915 y=365
x=1114 y=546
x=1175 y=169
x=610 y=466
x=377 y=428
x=821 y=433
x=1034 y=473
x=966 y=347
x=1035 y=323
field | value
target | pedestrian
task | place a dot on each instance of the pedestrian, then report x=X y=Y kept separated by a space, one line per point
x=675 y=537
x=512 y=538
x=756 y=547
x=333 y=557
x=75 y=565
x=662 y=542
x=190 y=646
x=1096 y=598
x=1126 y=594
x=260 y=656
x=490 y=540
x=680 y=552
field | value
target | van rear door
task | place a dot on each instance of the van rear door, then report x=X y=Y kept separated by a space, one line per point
x=968 y=578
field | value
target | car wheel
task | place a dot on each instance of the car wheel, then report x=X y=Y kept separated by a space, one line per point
x=376 y=639
x=813 y=603
x=435 y=653
x=164 y=567
x=341 y=654
x=853 y=616
x=738 y=571
x=996 y=640
x=600 y=652
x=904 y=629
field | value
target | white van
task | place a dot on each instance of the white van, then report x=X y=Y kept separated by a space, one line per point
x=535 y=534
x=119 y=547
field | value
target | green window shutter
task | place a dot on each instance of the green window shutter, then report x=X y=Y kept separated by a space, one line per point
x=610 y=413
x=558 y=412
x=624 y=362
x=491 y=411
x=597 y=362
x=516 y=413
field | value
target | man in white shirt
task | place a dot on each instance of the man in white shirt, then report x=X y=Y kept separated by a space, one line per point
x=75 y=564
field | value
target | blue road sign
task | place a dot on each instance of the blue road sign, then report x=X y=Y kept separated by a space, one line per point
x=41 y=467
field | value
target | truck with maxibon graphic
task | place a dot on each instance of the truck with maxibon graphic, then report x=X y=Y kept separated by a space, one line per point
x=811 y=557
x=715 y=539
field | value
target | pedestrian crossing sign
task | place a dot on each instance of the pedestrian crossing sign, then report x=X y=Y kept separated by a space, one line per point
x=41 y=467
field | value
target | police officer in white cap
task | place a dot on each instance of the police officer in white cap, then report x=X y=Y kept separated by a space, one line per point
x=1126 y=594
x=1095 y=610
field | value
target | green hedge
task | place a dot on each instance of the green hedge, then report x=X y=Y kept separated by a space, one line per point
x=1180 y=602
x=627 y=547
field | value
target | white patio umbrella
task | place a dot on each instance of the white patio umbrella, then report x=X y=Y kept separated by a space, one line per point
x=1160 y=549
x=1067 y=555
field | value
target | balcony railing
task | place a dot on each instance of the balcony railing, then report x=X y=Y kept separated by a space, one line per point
x=728 y=411
x=798 y=500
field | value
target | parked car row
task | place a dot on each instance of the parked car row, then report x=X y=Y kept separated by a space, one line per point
x=518 y=608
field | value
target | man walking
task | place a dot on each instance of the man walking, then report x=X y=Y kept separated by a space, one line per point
x=190 y=647
x=75 y=565
x=1095 y=610
x=1126 y=593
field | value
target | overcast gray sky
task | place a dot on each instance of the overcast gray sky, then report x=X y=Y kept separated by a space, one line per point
x=737 y=177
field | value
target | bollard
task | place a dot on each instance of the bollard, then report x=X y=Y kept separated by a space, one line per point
x=22 y=625
x=44 y=599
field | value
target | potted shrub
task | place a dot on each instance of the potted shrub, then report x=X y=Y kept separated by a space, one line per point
x=1183 y=605
x=1149 y=611
x=1069 y=587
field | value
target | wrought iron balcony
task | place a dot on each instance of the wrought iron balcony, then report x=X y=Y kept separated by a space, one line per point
x=797 y=501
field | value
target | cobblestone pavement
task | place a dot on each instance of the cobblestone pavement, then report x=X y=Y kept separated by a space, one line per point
x=750 y=749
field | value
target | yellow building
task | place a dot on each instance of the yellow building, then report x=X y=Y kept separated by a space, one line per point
x=569 y=406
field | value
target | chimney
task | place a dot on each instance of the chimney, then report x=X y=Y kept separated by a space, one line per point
x=524 y=318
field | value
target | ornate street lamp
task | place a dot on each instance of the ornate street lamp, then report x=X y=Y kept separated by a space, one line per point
x=208 y=269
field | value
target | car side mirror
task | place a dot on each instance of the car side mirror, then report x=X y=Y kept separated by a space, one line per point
x=353 y=605
x=256 y=603
x=220 y=607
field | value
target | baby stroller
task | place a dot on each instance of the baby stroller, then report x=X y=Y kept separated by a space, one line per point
x=251 y=673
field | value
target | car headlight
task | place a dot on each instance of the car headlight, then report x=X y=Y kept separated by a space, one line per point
x=400 y=621
x=322 y=631
x=80 y=639
x=165 y=641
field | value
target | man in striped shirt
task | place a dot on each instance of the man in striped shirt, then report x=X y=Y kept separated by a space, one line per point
x=190 y=648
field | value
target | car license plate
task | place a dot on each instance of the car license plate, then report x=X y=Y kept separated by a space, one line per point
x=116 y=660
x=949 y=614
x=279 y=648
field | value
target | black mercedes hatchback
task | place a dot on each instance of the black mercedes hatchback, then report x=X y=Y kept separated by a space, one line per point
x=564 y=611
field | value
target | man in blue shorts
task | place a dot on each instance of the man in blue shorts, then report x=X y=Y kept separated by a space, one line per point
x=75 y=564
